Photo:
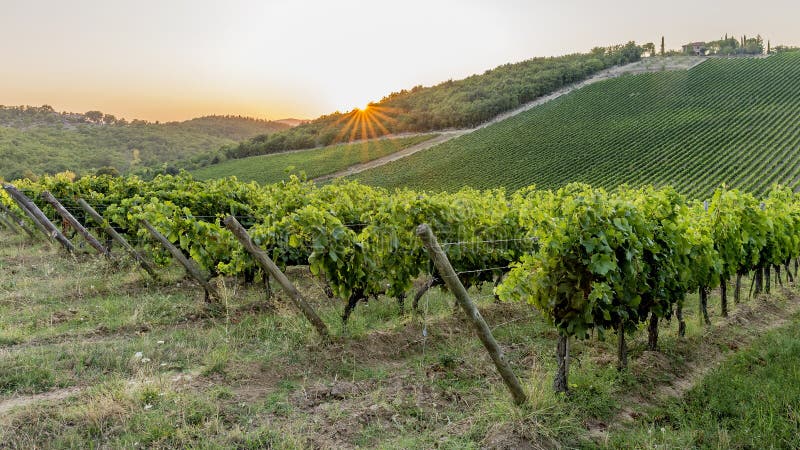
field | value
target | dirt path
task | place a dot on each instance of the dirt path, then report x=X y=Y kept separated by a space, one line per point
x=186 y=379
x=25 y=400
x=643 y=66
x=444 y=136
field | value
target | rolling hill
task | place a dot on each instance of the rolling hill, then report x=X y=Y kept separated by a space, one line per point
x=732 y=121
x=35 y=140
x=451 y=104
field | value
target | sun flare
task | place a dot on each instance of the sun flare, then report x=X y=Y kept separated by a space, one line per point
x=367 y=122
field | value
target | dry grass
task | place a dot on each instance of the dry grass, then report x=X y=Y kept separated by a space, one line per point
x=139 y=365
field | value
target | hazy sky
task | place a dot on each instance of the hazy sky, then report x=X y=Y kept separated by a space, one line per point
x=176 y=59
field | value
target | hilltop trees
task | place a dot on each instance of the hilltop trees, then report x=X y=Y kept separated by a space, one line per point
x=730 y=46
x=784 y=48
x=94 y=116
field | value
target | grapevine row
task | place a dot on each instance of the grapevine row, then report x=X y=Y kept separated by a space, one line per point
x=588 y=259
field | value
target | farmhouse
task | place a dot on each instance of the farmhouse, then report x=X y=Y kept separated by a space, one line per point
x=695 y=48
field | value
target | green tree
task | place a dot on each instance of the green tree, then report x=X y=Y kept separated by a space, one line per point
x=107 y=170
x=94 y=116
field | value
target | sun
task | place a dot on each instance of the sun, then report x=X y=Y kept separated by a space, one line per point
x=363 y=123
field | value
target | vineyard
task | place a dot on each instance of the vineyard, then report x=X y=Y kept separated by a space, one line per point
x=731 y=121
x=313 y=163
x=590 y=261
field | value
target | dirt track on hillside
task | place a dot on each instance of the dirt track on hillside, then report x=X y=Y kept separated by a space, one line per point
x=444 y=136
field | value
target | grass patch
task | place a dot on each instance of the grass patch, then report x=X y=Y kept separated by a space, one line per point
x=751 y=401
x=314 y=162
x=154 y=372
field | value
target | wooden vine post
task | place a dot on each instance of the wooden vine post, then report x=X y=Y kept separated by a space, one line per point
x=38 y=217
x=109 y=230
x=191 y=267
x=39 y=225
x=73 y=222
x=7 y=223
x=263 y=260
x=562 y=370
x=16 y=219
x=481 y=328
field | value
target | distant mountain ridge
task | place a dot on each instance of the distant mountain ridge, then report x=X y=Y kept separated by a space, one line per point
x=38 y=139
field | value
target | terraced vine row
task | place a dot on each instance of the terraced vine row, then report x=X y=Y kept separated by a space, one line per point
x=724 y=121
x=588 y=258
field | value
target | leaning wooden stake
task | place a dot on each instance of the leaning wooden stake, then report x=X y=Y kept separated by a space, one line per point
x=73 y=222
x=481 y=328
x=38 y=217
x=109 y=230
x=31 y=216
x=16 y=219
x=263 y=260
x=7 y=223
x=191 y=267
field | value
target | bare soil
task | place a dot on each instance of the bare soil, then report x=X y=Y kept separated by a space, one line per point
x=25 y=400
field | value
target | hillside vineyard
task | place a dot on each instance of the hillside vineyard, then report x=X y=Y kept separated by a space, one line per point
x=731 y=121
x=587 y=258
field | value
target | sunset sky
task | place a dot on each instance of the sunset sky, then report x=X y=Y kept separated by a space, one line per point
x=173 y=60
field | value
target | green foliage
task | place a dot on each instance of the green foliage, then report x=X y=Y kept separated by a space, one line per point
x=589 y=271
x=730 y=46
x=668 y=256
x=587 y=258
x=725 y=121
x=611 y=260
